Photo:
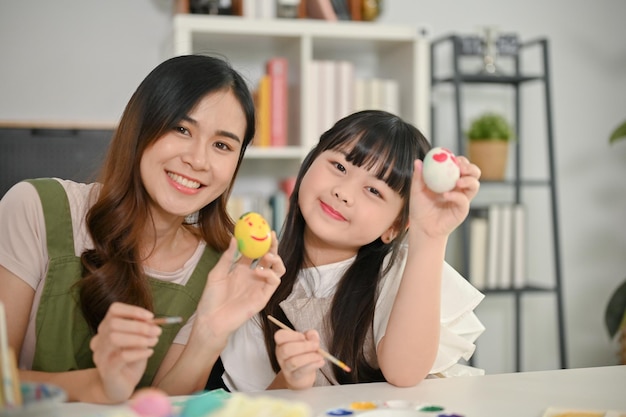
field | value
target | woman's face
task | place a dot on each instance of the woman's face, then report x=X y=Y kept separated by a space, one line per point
x=193 y=164
x=344 y=207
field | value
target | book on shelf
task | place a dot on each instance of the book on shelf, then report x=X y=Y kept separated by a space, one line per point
x=377 y=93
x=478 y=230
x=390 y=96
x=359 y=94
x=326 y=110
x=342 y=9
x=213 y=7
x=272 y=207
x=287 y=185
x=254 y=9
x=500 y=229
x=506 y=247
x=277 y=68
x=314 y=98
x=344 y=88
x=317 y=9
x=373 y=94
x=519 y=246
x=493 y=245
x=262 y=101
x=278 y=203
x=287 y=9
x=355 y=9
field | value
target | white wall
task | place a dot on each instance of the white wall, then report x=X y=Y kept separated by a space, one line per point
x=588 y=60
x=80 y=60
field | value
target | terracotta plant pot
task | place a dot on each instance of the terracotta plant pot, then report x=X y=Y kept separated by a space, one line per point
x=490 y=156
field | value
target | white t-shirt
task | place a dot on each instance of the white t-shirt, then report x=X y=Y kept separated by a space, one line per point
x=247 y=365
x=24 y=252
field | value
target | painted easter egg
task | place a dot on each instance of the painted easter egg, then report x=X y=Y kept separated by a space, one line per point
x=253 y=235
x=151 y=402
x=441 y=170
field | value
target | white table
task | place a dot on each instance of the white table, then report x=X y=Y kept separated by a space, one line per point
x=524 y=394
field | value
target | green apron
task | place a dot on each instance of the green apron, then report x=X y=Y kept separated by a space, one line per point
x=62 y=333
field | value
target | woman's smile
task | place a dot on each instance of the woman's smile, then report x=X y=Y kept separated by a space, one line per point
x=183 y=184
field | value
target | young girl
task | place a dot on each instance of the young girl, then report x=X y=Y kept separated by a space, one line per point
x=84 y=268
x=363 y=245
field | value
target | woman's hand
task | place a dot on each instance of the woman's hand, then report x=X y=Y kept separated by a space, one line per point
x=121 y=349
x=234 y=293
x=298 y=357
x=438 y=215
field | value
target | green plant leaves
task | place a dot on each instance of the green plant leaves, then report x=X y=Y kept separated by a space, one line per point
x=615 y=313
x=490 y=126
x=618 y=133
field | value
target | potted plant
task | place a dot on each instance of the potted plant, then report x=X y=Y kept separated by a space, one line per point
x=615 y=312
x=489 y=135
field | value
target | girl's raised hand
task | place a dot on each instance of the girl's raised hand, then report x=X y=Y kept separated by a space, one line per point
x=234 y=293
x=438 y=214
x=121 y=349
x=298 y=357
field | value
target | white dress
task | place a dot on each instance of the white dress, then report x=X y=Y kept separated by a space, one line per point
x=246 y=362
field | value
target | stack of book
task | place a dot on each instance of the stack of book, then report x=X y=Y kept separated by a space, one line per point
x=337 y=92
x=331 y=10
x=272 y=207
x=497 y=252
x=271 y=104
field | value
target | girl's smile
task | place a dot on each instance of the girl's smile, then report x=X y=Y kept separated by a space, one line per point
x=332 y=212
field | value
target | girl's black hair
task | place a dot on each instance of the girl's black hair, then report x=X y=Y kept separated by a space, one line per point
x=371 y=139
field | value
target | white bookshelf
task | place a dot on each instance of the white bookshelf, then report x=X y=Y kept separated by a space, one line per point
x=377 y=50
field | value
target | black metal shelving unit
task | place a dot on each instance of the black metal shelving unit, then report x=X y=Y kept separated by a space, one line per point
x=515 y=80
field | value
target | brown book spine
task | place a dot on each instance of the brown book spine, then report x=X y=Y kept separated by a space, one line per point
x=356 y=9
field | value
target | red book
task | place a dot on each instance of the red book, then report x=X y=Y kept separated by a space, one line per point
x=277 y=69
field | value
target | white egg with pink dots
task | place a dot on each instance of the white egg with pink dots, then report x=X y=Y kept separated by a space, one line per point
x=441 y=170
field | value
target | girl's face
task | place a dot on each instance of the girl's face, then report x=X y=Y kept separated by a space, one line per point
x=192 y=165
x=344 y=207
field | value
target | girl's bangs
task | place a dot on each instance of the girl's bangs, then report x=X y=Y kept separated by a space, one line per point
x=389 y=158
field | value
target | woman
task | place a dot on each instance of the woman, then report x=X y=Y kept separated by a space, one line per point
x=84 y=268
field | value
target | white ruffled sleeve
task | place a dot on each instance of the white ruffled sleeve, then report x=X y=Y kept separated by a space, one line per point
x=460 y=327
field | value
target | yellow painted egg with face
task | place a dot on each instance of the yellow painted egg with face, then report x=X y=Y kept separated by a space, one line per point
x=253 y=235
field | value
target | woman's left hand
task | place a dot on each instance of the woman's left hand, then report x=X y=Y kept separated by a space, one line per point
x=234 y=294
x=438 y=214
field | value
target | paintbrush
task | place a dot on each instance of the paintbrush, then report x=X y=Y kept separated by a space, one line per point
x=320 y=351
x=167 y=320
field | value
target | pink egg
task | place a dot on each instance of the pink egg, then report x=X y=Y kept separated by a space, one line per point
x=441 y=170
x=151 y=402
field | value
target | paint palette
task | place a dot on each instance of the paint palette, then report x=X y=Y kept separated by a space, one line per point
x=390 y=408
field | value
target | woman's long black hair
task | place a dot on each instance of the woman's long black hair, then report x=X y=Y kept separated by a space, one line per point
x=112 y=270
x=371 y=139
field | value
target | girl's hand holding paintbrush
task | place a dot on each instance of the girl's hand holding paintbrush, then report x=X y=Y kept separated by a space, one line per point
x=300 y=356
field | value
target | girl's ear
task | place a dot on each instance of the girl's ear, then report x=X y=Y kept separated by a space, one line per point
x=393 y=232
x=389 y=234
